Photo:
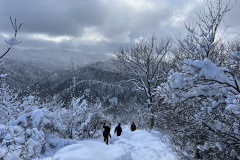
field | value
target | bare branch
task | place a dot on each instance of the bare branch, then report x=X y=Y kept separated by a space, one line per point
x=5 y=53
x=142 y=62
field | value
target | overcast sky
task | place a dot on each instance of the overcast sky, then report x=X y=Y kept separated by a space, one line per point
x=97 y=26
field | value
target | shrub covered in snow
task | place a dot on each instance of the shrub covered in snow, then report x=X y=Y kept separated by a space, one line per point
x=37 y=130
x=20 y=143
x=200 y=106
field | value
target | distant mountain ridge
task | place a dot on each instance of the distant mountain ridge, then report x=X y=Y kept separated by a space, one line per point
x=96 y=80
x=22 y=75
x=54 y=59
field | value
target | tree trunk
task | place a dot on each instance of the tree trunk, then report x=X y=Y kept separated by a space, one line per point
x=152 y=119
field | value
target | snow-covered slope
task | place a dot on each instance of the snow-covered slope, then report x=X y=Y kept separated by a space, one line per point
x=137 y=145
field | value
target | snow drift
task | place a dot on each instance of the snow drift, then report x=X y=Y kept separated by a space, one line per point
x=137 y=145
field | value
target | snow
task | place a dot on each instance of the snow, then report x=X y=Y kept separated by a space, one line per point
x=52 y=144
x=30 y=147
x=236 y=54
x=2 y=75
x=176 y=80
x=137 y=145
x=90 y=150
x=88 y=120
x=210 y=71
x=36 y=117
x=233 y=104
x=234 y=108
x=83 y=104
x=210 y=27
x=21 y=120
x=13 y=41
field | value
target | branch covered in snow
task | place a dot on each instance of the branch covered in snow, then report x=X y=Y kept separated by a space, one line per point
x=13 y=40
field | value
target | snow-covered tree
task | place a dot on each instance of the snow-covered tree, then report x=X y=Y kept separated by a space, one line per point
x=8 y=104
x=202 y=103
x=198 y=103
x=79 y=120
x=145 y=65
x=234 y=62
x=22 y=135
x=77 y=113
x=19 y=143
x=31 y=133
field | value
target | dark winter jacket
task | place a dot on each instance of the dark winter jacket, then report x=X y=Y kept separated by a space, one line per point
x=133 y=127
x=106 y=131
x=118 y=129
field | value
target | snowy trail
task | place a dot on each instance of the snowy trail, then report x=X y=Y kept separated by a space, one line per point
x=137 y=145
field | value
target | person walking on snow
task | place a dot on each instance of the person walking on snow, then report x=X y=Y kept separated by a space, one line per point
x=133 y=126
x=106 y=133
x=118 y=129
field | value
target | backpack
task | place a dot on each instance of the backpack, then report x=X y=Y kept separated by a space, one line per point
x=105 y=133
x=133 y=127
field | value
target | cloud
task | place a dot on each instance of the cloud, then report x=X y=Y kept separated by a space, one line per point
x=45 y=37
x=180 y=15
x=92 y=35
x=96 y=25
x=139 y=5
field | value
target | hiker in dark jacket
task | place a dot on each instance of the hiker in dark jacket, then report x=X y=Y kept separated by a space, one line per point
x=133 y=126
x=106 y=133
x=118 y=129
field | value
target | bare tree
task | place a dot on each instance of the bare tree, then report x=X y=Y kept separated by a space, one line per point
x=13 y=41
x=145 y=65
x=202 y=40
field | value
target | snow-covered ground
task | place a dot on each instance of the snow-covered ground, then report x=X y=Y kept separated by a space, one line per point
x=137 y=145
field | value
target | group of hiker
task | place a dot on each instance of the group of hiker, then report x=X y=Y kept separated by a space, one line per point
x=118 y=130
